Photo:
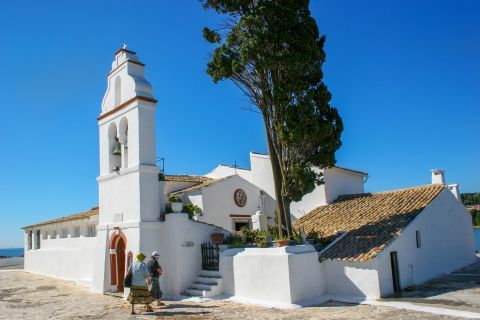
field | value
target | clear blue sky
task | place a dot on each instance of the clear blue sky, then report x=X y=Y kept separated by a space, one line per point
x=405 y=76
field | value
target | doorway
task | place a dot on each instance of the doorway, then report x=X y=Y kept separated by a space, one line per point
x=395 y=272
x=117 y=261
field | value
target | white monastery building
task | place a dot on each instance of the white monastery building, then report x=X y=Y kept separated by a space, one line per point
x=380 y=243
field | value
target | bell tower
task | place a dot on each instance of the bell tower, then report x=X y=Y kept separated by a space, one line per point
x=128 y=181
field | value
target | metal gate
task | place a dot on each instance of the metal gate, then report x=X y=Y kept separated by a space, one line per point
x=210 y=257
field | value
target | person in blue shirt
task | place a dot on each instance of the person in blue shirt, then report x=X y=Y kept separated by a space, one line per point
x=140 y=278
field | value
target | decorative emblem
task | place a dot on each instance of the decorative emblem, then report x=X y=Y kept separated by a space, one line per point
x=240 y=197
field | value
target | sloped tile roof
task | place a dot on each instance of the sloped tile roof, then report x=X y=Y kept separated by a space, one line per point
x=186 y=178
x=199 y=186
x=82 y=215
x=372 y=220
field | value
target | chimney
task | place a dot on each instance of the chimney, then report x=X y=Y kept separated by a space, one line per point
x=456 y=191
x=438 y=176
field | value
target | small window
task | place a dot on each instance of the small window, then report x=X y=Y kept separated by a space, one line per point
x=64 y=233
x=419 y=239
x=76 y=232
x=54 y=234
x=29 y=244
x=37 y=240
x=91 y=230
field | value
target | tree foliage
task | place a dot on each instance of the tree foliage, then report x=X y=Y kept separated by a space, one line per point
x=470 y=199
x=272 y=50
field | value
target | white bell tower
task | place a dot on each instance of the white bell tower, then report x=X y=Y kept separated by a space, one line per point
x=128 y=181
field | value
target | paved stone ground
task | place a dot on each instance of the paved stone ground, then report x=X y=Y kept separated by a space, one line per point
x=459 y=290
x=28 y=296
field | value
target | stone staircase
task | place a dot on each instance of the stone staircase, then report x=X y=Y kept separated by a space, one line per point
x=208 y=284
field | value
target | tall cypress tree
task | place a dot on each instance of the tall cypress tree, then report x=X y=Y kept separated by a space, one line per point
x=273 y=52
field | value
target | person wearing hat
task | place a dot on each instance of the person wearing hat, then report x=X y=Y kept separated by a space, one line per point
x=155 y=271
x=139 y=291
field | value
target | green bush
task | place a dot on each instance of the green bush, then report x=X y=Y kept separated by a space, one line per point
x=174 y=199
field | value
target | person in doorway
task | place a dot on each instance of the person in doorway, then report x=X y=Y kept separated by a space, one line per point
x=140 y=278
x=155 y=271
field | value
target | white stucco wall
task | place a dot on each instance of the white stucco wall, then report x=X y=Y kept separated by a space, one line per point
x=218 y=202
x=68 y=258
x=447 y=244
x=338 y=181
x=272 y=276
x=179 y=241
x=222 y=171
x=352 y=279
x=262 y=175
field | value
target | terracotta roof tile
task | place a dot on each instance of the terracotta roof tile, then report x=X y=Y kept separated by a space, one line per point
x=186 y=178
x=83 y=215
x=200 y=185
x=372 y=220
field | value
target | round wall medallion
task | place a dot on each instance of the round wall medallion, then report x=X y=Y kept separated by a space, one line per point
x=240 y=197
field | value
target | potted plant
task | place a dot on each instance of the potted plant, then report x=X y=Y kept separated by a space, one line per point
x=282 y=242
x=176 y=204
x=218 y=237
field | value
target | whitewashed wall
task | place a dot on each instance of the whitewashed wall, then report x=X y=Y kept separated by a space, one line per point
x=218 y=202
x=262 y=175
x=447 y=244
x=352 y=279
x=178 y=241
x=272 y=276
x=339 y=181
x=222 y=171
x=69 y=259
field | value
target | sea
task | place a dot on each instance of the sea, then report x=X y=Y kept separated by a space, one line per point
x=11 y=252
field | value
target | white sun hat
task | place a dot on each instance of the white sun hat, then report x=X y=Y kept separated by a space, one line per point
x=155 y=254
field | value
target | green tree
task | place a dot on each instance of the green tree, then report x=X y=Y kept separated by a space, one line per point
x=272 y=50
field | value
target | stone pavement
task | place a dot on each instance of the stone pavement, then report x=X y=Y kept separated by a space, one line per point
x=28 y=296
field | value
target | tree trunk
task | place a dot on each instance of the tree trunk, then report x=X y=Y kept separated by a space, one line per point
x=277 y=178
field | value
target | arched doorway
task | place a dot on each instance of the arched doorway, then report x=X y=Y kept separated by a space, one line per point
x=118 y=244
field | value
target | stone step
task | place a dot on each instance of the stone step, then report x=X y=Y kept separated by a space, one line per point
x=208 y=273
x=201 y=286
x=208 y=280
x=193 y=293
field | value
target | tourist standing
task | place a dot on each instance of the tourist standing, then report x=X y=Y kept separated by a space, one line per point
x=139 y=291
x=155 y=271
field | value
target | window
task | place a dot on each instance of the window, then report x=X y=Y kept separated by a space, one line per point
x=419 y=239
x=91 y=231
x=54 y=234
x=240 y=225
x=64 y=233
x=76 y=232
x=37 y=240
x=29 y=240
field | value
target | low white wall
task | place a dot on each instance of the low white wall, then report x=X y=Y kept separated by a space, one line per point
x=180 y=255
x=69 y=259
x=272 y=276
x=352 y=279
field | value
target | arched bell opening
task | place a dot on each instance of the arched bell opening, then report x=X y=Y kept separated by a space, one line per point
x=114 y=148
x=123 y=138
x=118 y=91
x=118 y=261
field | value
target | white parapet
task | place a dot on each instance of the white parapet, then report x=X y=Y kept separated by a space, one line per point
x=273 y=276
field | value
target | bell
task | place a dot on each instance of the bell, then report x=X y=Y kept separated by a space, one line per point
x=117 y=150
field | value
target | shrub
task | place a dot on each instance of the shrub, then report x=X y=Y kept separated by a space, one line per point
x=174 y=199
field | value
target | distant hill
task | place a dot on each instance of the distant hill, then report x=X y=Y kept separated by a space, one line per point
x=472 y=202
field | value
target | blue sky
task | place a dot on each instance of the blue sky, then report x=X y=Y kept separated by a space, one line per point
x=405 y=76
